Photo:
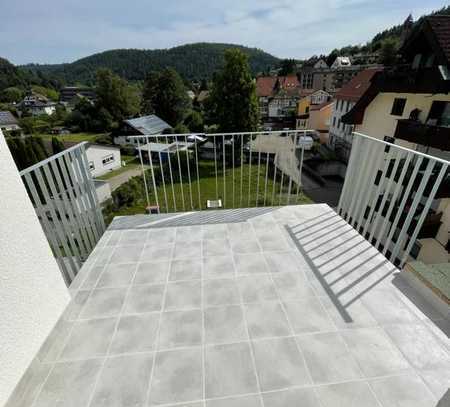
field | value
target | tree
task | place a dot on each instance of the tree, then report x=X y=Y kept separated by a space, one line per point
x=388 y=52
x=115 y=96
x=11 y=95
x=57 y=145
x=233 y=104
x=288 y=67
x=165 y=95
x=194 y=121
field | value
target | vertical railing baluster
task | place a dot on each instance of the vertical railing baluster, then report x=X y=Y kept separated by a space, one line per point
x=179 y=174
x=189 y=170
x=152 y=171
x=250 y=170
x=224 y=173
x=232 y=163
x=163 y=178
x=257 y=175
x=198 y=178
x=266 y=178
x=215 y=167
x=143 y=173
x=242 y=170
x=170 y=172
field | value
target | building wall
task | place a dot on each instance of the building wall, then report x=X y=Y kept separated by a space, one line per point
x=320 y=119
x=32 y=292
x=340 y=134
x=96 y=156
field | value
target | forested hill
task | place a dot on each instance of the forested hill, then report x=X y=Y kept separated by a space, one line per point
x=193 y=61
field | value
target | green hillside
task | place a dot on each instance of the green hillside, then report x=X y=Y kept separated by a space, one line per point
x=192 y=61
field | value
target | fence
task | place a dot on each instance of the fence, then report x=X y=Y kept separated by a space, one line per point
x=227 y=170
x=388 y=192
x=63 y=195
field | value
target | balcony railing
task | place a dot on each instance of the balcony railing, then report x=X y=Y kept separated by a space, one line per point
x=225 y=170
x=63 y=195
x=384 y=175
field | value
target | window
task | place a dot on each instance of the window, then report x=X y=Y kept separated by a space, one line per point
x=398 y=106
x=439 y=114
x=334 y=121
x=91 y=165
x=108 y=159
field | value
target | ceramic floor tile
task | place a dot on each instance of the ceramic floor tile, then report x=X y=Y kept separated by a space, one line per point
x=135 y=333
x=144 y=298
x=374 y=352
x=151 y=273
x=221 y=292
x=117 y=275
x=104 y=302
x=292 y=286
x=279 y=364
x=154 y=252
x=291 y=398
x=124 y=381
x=353 y=394
x=307 y=316
x=281 y=262
x=418 y=345
x=187 y=250
x=244 y=401
x=69 y=384
x=402 y=391
x=216 y=247
x=89 y=339
x=218 y=267
x=224 y=325
x=250 y=264
x=328 y=358
x=183 y=295
x=126 y=254
x=185 y=270
x=266 y=320
x=180 y=328
x=229 y=370
x=257 y=288
x=177 y=377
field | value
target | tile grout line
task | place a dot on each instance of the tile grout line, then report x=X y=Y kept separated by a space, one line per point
x=290 y=327
x=54 y=363
x=102 y=367
x=158 y=330
x=202 y=293
x=250 y=344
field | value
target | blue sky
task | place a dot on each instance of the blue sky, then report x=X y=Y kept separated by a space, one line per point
x=53 y=31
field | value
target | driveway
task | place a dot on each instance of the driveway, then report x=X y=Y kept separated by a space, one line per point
x=118 y=180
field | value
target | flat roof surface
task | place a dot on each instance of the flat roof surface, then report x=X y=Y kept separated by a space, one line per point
x=260 y=307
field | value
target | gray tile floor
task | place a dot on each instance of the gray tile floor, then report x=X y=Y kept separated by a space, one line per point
x=281 y=308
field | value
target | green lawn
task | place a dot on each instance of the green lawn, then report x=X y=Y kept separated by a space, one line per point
x=132 y=164
x=181 y=197
x=73 y=138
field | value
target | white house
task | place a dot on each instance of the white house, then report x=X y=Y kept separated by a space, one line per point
x=339 y=62
x=103 y=158
x=40 y=108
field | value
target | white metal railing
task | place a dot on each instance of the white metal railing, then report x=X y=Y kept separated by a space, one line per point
x=63 y=194
x=388 y=192
x=239 y=170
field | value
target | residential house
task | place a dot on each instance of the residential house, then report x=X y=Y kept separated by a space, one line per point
x=340 y=134
x=340 y=62
x=69 y=93
x=37 y=105
x=8 y=122
x=314 y=112
x=409 y=105
x=160 y=152
x=277 y=97
x=103 y=159
x=144 y=125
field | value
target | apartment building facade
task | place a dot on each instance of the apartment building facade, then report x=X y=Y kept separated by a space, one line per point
x=409 y=105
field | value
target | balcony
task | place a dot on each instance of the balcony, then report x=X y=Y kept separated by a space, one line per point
x=252 y=305
x=424 y=134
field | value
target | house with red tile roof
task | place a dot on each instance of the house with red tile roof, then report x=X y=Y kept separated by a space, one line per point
x=277 y=97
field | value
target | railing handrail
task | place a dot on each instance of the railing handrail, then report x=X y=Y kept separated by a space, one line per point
x=405 y=149
x=242 y=133
x=52 y=158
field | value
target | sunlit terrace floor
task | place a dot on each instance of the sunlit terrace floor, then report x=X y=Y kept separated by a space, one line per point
x=273 y=307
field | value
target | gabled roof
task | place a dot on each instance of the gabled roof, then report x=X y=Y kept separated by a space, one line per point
x=271 y=85
x=148 y=125
x=441 y=28
x=7 y=117
x=355 y=88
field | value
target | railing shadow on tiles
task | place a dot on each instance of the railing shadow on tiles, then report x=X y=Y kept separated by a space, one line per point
x=186 y=172
x=62 y=192
x=389 y=193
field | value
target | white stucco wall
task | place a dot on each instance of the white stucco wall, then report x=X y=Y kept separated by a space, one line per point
x=95 y=154
x=32 y=291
